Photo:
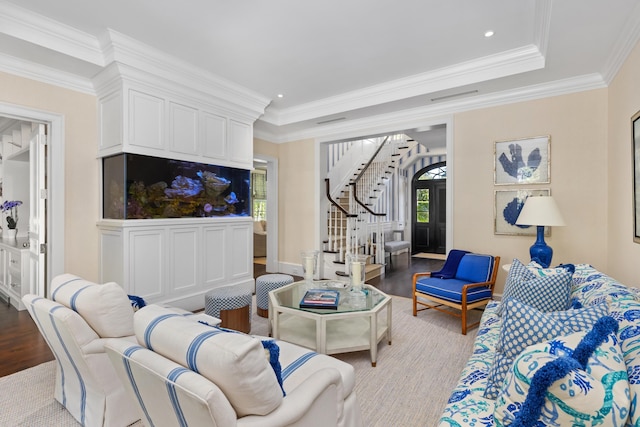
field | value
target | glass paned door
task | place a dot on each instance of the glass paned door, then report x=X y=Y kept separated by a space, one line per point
x=429 y=209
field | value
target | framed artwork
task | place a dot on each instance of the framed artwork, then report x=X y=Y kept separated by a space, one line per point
x=508 y=205
x=635 y=142
x=522 y=161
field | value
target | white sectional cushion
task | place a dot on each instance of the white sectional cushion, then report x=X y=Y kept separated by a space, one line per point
x=106 y=308
x=236 y=363
x=178 y=395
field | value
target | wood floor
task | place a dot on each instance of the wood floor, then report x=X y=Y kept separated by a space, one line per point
x=22 y=346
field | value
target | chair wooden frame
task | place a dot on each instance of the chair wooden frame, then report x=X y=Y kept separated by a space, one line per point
x=463 y=307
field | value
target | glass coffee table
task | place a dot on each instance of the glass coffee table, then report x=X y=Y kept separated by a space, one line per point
x=327 y=331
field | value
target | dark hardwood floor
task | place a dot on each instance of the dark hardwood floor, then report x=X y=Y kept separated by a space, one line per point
x=22 y=346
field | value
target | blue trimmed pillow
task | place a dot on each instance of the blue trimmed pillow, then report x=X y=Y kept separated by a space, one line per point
x=523 y=326
x=580 y=379
x=546 y=289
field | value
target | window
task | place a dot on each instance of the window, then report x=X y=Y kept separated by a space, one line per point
x=259 y=195
x=422 y=204
x=435 y=173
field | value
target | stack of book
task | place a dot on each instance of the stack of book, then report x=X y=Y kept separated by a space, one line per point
x=320 y=298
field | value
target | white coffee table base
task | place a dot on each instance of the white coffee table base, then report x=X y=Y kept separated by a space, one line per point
x=333 y=333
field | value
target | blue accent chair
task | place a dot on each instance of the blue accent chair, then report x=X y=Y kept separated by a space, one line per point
x=470 y=287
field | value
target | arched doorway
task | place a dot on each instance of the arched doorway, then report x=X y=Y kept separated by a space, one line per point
x=429 y=209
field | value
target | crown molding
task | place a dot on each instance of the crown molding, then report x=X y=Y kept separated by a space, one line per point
x=42 y=31
x=44 y=74
x=506 y=63
x=26 y=25
x=627 y=40
x=411 y=118
x=122 y=49
x=542 y=24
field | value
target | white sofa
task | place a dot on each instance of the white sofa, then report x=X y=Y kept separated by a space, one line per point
x=184 y=373
x=75 y=323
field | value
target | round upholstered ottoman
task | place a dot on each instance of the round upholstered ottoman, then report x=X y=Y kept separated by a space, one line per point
x=265 y=284
x=232 y=305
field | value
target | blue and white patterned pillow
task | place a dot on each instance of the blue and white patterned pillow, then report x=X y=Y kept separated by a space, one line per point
x=579 y=379
x=627 y=313
x=523 y=326
x=545 y=289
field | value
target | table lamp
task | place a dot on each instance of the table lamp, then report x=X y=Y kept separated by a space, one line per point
x=540 y=211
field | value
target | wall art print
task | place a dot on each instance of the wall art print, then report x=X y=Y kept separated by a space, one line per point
x=522 y=161
x=508 y=205
x=635 y=141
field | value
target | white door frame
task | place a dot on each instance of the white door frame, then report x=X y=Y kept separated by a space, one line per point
x=55 y=196
x=272 y=212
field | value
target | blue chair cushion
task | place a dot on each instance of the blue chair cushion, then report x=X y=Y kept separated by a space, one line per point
x=451 y=289
x=475 y=268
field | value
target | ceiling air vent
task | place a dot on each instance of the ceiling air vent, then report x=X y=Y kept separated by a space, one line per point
x=337 y=119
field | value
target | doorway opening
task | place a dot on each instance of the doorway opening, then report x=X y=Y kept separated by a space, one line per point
x=46 y=234
x=23 y=159
x=429 y=209
x=264 y=186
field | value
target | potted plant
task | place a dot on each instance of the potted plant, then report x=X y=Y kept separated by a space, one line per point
x=12 y=218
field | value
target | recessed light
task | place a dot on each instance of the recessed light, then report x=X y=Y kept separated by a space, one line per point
x=281 y=95
x=489 y=34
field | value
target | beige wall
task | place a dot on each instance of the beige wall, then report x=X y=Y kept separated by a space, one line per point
x=82 y=181
x=577 y=125
x=591 y=177
x=265 y=148
x=624 y=102
x=296 y=196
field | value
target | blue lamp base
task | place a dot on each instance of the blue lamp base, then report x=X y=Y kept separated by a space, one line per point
x=540 y=251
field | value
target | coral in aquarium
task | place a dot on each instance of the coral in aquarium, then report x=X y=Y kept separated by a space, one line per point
x=183 y=187
x=206 y=195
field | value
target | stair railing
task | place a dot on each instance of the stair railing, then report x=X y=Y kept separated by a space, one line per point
x=359 y=227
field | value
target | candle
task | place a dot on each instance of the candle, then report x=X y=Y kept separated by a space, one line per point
x=356 y=273
x=308 y=267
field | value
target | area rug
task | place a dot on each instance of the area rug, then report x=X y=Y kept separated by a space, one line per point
x=409 y=386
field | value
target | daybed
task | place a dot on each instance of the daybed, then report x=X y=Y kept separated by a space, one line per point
x=602 y=389
x=185 y=373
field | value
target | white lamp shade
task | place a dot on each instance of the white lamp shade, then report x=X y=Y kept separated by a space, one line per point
x=540 y=210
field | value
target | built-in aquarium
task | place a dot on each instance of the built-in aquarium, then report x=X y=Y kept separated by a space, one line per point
x=137 y=186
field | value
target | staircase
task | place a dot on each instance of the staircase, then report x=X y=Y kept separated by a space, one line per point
x=358 y=210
